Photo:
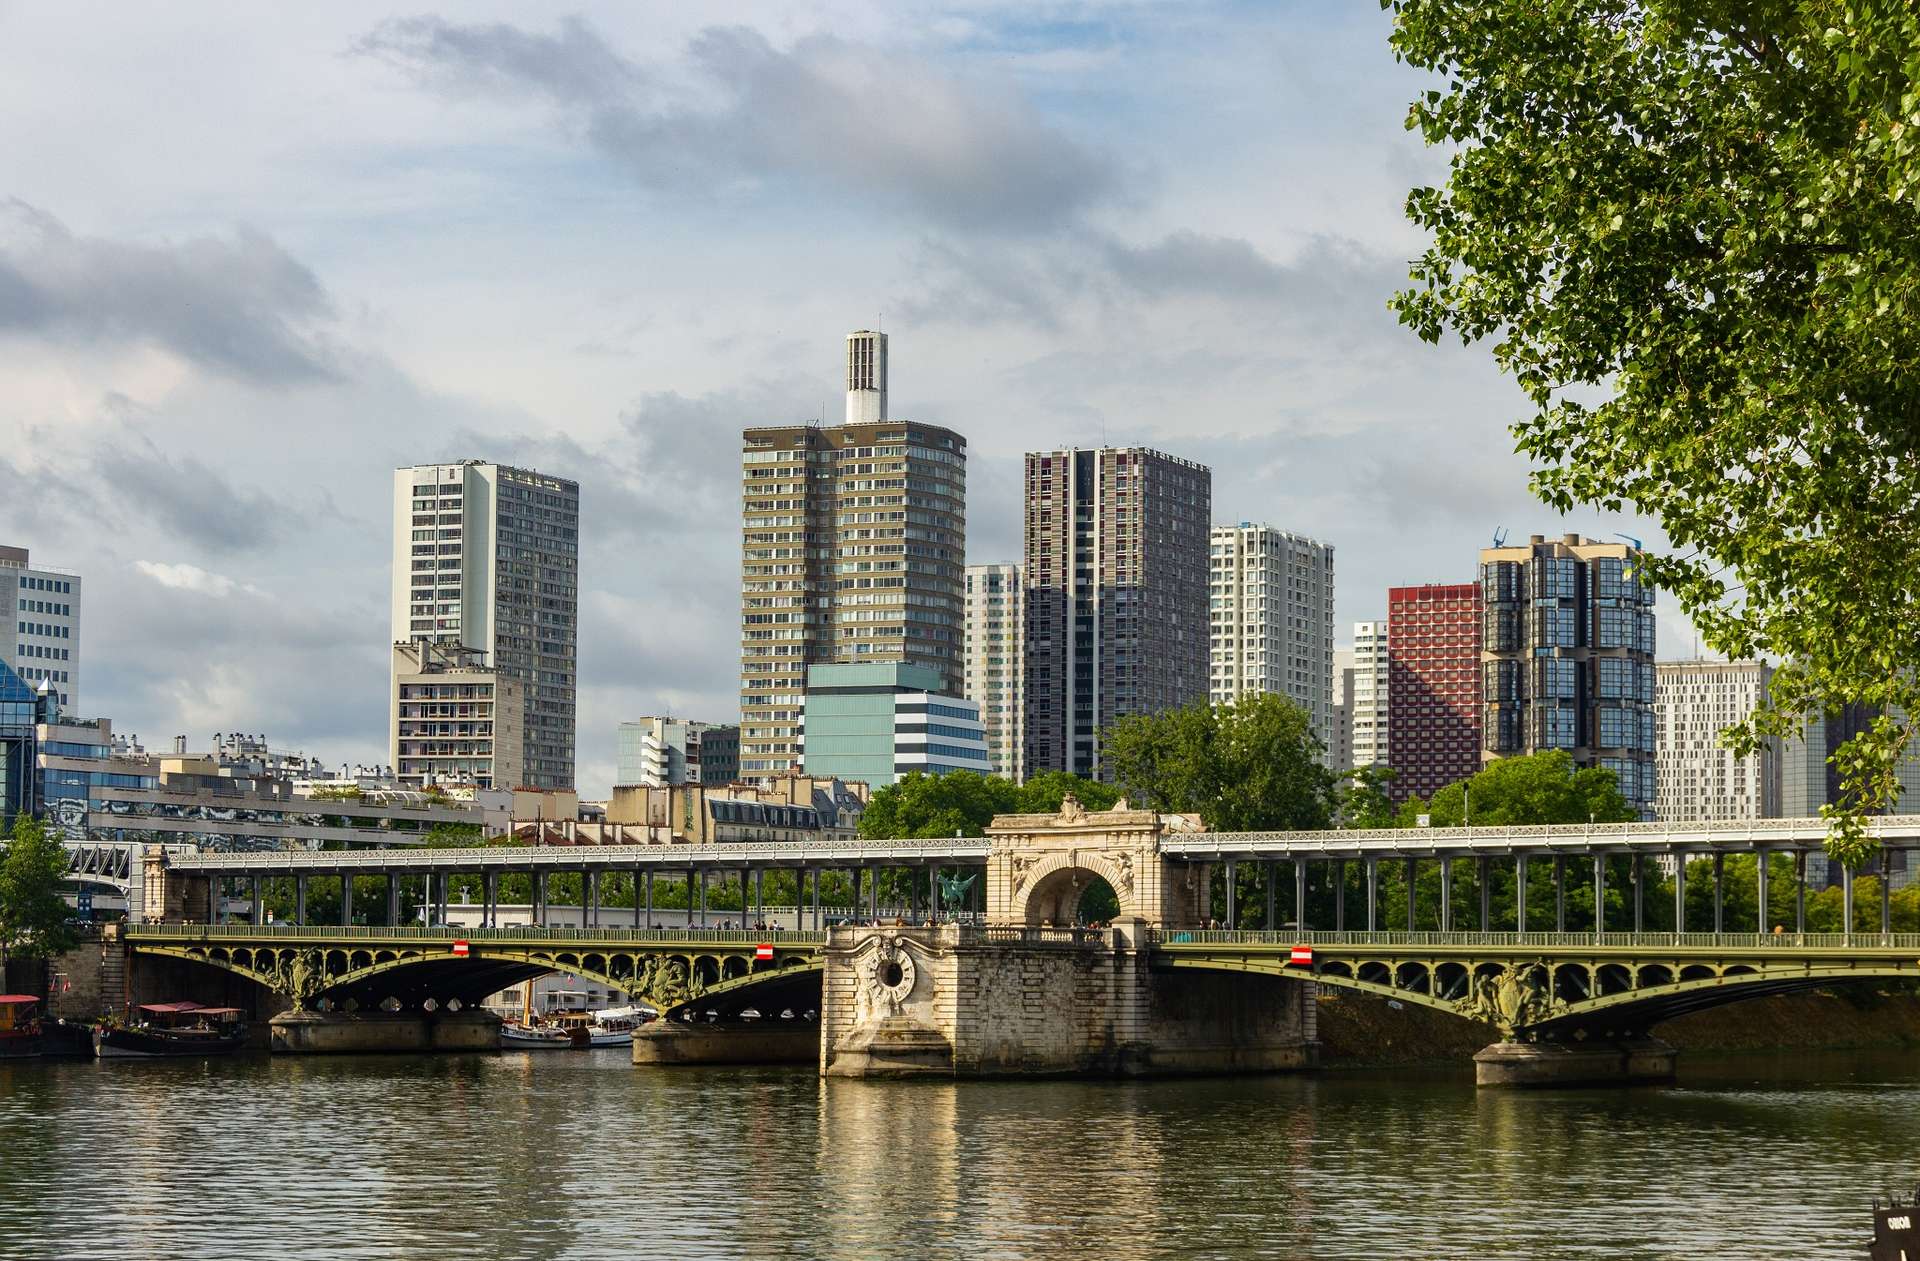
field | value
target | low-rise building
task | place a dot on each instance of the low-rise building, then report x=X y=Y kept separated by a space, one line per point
x=660 y=751
x=880 y=720
x=455 y=720
x=791 y=807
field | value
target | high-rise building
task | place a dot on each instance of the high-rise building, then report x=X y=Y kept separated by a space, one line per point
x=40 y=625
x=1810 y=780
x=1270 y=610
x=1341 y=750
x=1116 y=575
x=1371 y=684
x=659 y=752
x=853 y=549
x=994 y=671
x=1433 y=686
x=1567 y=657
x=456 y=719
x=1696 y=776
x=879 y=720
x=487 y=556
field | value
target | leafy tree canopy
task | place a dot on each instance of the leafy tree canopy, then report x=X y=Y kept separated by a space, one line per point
x=1249 y=766
x=33 y=916
x=962 y=803
x=1538 y=788
x=1691 y=229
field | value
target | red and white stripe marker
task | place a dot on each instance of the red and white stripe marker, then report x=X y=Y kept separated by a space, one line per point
x=1302 y=955
x=461 y=949
x=763 y=954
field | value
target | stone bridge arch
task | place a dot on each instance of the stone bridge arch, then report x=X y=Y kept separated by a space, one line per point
x=1030 y=855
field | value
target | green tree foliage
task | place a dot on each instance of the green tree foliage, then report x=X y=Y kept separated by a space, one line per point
x=1364 y=799
x=1538 y=788
x=1691 y=230
x=962 y=803
x=1249 y=766
x=33 y=915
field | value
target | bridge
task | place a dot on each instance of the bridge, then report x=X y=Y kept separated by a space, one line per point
x=1197 y=911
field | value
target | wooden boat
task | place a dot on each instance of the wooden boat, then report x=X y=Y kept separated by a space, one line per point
x=611 y=1026
x=173 y=1029
x=535 y=1038
x=69 y=1039
x=19 y=1026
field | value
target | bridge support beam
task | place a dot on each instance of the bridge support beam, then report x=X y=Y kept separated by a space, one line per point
x=1679 y=892
x=346 y=898
x=1520 y=893
x=1446 y=894
x=1719 y=892
x=1486 y=895
x=300 y=900
x=1413 y=888
x=1599 y=896
x=1800 y=893
x=1300 y=893
x=1639 y=893
x=1373 y=893
x=1559 y=893
x=1624 y=1062
x=1760 y=916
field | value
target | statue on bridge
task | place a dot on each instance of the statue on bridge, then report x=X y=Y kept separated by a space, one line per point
x=1513 y=1000
x=954 y=891
x=300 y=978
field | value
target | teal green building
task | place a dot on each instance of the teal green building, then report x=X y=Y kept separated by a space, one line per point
x=876 y=721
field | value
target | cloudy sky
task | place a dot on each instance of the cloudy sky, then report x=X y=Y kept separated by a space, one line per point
x=251 y=261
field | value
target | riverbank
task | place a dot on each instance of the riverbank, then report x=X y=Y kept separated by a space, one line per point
x=1362 y=1031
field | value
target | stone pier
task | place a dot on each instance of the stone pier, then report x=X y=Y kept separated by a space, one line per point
x=355 y=1033
x=1602 y=1062
x=971 y=1001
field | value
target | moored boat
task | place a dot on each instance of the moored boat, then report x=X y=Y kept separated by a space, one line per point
x=19 y=1025
x=535 y=1038
x=173 y=1029
x=66 y=1039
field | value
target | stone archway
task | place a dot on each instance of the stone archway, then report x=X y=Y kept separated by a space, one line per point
x=1056 y=897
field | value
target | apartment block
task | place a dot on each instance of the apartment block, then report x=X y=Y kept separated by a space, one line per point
x=877 y=721
x=1342 y=747
x=1270 y=611
x=486 y=557
x=853 y=550
x=659 y=752
x=40 y=625
x=1372 y=684
x=1696 y=776
x=994 y=668
x=1433 y=686
x=456 y=720
x=1116 y=576
x=1567 y=657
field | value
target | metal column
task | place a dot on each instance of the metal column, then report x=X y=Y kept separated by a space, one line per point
x=1232 y=909
x=1486 y=895
x=760 y=893
x=300 y=900
x=1266 y=882
x=703 y=897
x=346 y=898
x=1760 y=915
x=1446 y=895
x=1679 y=892
x=1719 y=893
x=540 y=898
x=1599 y=897
x=1300 y=894
x=1519 y=893
x=1559 y=893
x=260 y=901
x=933 y=894
x=648 y=881
x=1639 y=893
x=1339 y=895
x=1846 y=904
x=1413 y=885
x=393 y=900
x=1373 y=893
x=1800 y=893
x=873 y=894
x=590 y=899
x=1886 y=895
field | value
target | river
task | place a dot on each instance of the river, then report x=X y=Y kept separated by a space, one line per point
x=572 y=1154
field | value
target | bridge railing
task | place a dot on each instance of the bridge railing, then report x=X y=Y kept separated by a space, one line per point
x=1020 y=935
x=1287 y=938
x=375 y=932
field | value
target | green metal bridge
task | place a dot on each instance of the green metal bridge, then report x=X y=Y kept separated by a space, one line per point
x=1532 y=986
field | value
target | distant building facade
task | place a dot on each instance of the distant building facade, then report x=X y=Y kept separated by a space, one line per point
x=40 y=625
x=1270 y=620
x=1433 y=686
x=487 y=557
x=1696 y=776
x=1567 y=657
x=658 y=752
x=1342 y=748
x=853 y=549
x=1372 y=685
x=455 y=720
x=1116 y=578
x=878 y=721
x=994 y=668
x=1809 y=780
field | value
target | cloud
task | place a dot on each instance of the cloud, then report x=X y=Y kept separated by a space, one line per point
x=184 y=577
x=867 y=123
x=239 y=305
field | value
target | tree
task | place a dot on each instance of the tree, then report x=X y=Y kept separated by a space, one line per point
x=33 y=915
x=1249 y=766
x=1691 y=229
x=962 y=803
x=1364 y=799
x=1537 y=788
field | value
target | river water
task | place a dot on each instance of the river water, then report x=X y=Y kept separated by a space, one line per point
x=578 y=1154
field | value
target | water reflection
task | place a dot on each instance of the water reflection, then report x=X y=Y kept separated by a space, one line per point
x=579 y=1155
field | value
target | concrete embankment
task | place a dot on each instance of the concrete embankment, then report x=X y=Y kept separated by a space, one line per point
x=1361 y=1031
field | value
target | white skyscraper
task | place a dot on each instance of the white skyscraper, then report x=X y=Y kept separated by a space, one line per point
x=1271 y=615
x=487 y=556
x=994 y=664
x=40 y=625
x=1695 y=776
x=1369 y=693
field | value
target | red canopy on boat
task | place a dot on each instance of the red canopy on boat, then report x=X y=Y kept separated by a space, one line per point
x=14 y=1000
x=169 y=1007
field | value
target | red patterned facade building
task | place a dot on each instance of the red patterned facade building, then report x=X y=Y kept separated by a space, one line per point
x=1433 y=686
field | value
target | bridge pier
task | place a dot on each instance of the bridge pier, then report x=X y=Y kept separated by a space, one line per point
x=1602 y=1062
x=371 y=1032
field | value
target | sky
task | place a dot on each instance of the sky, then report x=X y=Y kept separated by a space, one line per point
x=252 y=260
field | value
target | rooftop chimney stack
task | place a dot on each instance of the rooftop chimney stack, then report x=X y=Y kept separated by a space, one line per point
x=866 y=377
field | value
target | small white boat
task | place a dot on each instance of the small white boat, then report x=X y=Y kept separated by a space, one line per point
x=535 y=1038
x=614 y=1026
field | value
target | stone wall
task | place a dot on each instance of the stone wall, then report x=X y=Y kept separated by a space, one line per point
x=966 y=1001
